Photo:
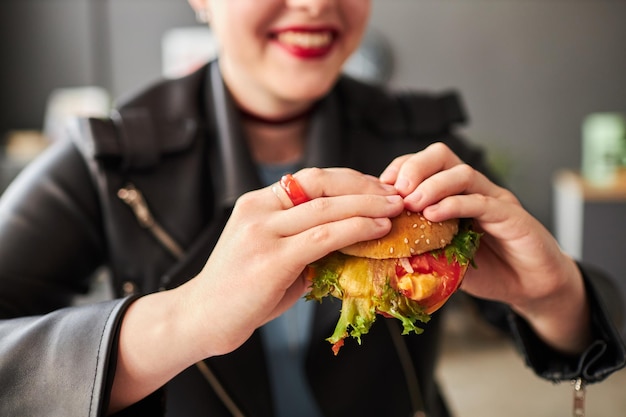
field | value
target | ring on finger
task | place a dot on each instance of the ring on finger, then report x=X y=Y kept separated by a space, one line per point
x=289 y=192
x=283 y=197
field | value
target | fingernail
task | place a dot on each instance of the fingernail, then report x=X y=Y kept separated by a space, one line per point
x=402 y=184
x=434 y=207
x=414 y=198
x=388 y=187
x=388 y=175
x=394 y=199
x=382 y=222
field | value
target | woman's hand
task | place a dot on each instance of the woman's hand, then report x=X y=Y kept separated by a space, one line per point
x=253 y=274
x=518 y=262
x=255 y=271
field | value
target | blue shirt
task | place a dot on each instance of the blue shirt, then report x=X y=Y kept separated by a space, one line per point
x=285 y=340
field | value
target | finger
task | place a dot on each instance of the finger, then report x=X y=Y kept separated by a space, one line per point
x=316 y=242
x=475 y=206
x=415 y=169
x=459 y=179
x=329 y=182
x=316 y=183
x=390 y=174
x=283 y=197
x=493 y=215
x=331 y=209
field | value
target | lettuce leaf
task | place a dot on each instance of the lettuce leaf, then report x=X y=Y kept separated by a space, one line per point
x=463 y=246
x=363 y=286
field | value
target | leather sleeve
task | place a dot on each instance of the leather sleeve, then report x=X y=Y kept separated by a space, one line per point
x=57 y=364
x=53 y=358
x=51 y=239
x=605 y=354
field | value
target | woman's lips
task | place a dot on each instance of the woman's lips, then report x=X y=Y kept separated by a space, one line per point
x=306 y=43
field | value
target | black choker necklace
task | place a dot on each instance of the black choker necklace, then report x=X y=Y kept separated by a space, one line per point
x=266 y=121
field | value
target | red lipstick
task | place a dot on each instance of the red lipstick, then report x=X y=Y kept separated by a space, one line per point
x=305 y=42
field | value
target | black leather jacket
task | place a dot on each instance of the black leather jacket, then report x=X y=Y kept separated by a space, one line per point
x=179 y=143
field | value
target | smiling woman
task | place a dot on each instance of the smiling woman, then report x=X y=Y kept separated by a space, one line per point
x=291 y=54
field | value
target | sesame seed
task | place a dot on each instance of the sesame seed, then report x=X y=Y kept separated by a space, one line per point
x=408 y=213
x=417 y=241
x=422 y=219
x=412 y=250
x=443 y=241
x=414 y=225
x=406 y=240
x=428 y=241
x=422 y=236
x=423 y=226
x=429 y=223
x=391 y=249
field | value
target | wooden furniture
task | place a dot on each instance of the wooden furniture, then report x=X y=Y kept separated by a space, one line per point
x=590 y=225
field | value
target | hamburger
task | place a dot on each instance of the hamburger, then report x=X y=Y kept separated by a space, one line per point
x=408 y=274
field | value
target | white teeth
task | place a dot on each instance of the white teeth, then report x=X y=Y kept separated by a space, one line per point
x=305 y=39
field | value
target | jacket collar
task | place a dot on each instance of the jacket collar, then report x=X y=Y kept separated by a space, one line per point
x=235 y=172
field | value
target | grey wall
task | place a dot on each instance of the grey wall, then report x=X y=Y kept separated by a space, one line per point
x=43 y=44
x=135 y=31
x=46 y=44
x=529 y=70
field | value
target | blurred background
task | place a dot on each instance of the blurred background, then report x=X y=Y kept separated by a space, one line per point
x=544 y=82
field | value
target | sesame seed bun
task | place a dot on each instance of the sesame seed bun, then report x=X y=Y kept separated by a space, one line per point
x=411 y=234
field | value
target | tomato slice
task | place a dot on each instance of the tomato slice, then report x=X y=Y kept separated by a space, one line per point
x=448 y=274
x=442 y=267
x=421 y=264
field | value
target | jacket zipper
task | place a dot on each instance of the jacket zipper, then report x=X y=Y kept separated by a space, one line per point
x=579 y=397
x=131 y=195
x=134 y=199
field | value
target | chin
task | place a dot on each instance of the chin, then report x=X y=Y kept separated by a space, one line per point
x=306 y=88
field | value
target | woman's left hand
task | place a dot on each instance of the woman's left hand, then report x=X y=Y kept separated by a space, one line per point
x=519 y=262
